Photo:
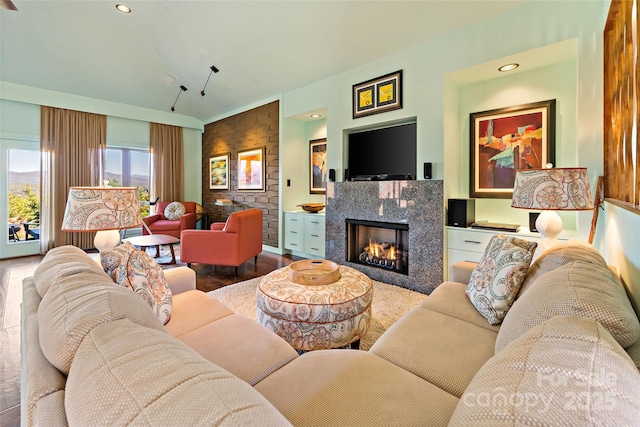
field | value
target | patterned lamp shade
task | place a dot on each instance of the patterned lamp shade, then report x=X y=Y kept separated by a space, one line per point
x=550 y=190
x=557 y=189
x=101 y=208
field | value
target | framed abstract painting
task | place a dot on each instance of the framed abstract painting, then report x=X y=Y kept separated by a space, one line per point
x=506 y=140
x=318 y=166
x=219 y=172
x=251 y=170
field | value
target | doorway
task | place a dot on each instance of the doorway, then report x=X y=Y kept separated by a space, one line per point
x=20 y=195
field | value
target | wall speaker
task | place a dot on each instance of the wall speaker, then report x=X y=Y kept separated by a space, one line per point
x=533 y=216
x=347 y=177
x=332 y=175
x=427 y=170
x=461 y=212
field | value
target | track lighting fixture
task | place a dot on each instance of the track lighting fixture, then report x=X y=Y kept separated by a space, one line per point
x=182 y=89
x=213 y=70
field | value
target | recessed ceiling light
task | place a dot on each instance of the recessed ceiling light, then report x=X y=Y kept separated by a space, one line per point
x=509 y=67
x=315 y=116
x=123 y=8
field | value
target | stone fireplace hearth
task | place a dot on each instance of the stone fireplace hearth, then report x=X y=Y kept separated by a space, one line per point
x=418 y=205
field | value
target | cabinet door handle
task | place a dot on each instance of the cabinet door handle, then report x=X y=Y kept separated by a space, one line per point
x=293 y=232
x=315 y=249
x=293 y=220
x=314 y=235
x=314 y=222
x=472 y=241
x=293 y=244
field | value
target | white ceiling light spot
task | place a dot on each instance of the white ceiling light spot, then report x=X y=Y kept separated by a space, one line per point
x=123 y=8
x=509 y=67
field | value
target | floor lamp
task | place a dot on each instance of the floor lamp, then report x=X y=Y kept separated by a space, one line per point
x=104 y=210
x=551 y=190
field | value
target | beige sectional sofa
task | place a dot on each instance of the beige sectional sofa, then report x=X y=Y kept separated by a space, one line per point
x=93 y=353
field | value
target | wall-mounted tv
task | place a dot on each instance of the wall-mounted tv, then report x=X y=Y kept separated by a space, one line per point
x=386 y=153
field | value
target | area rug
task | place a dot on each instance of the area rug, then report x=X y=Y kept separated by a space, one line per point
x=389 y=304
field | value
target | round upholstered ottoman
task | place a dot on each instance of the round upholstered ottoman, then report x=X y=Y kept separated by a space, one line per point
x=316 y=317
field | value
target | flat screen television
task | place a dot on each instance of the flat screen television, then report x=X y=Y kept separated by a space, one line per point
x=387 y=153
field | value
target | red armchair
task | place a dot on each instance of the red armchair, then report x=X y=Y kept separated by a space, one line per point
x=159 y=224
x=231 y=243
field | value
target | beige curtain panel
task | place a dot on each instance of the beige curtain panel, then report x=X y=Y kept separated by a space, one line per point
x=167 y=177
x=72 y=145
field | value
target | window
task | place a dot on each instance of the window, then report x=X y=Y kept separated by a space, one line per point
x=126 y=167
x=24 y=195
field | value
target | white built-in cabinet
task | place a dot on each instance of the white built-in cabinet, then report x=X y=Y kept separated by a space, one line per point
x=305 y=233
x=468 y=244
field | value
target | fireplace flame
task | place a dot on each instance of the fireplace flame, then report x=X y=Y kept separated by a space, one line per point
x=378 y=250
x=392 y=253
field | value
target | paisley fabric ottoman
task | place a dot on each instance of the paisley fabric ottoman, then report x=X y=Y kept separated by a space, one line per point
x=316 y=317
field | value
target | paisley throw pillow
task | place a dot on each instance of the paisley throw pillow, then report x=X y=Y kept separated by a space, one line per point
x=136 y=270
x=174 y=210
x=497 y=278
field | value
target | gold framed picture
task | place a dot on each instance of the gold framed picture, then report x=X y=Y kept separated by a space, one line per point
x=378 y=95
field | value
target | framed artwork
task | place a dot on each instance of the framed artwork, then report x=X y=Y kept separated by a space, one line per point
x=251 y=170
x=378 y=95
x=318 y=166
x=506 y=140
x=219 y=172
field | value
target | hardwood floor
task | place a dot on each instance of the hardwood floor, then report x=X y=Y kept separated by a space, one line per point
x=13 y=270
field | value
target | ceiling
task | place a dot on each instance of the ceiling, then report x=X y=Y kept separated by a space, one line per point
x=262 y=48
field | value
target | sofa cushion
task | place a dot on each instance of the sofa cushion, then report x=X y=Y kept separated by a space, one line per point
x=634 y=352
x=192 y=310
x=174 y=211
x=250 y=351
x=560 y=254
x=575 y=289
x=450 y=298
x=137 y=271
x=41 y=385
x=445 y=351
x=495 y=281
x=61 y=262
x=126 y=374
x=78 y=304
x=354 y=388
x=566 y=371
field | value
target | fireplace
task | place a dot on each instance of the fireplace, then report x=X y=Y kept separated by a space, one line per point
x=416 y=211
x=378 y=244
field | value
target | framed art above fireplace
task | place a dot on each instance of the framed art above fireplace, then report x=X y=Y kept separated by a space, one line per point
x=377 y=95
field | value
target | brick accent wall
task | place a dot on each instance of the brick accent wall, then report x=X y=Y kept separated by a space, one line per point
x=252 y=129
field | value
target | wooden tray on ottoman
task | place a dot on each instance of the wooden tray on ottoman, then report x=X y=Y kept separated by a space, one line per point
x=314 y=272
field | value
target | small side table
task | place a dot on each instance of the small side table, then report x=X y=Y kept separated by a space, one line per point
x=143 y=242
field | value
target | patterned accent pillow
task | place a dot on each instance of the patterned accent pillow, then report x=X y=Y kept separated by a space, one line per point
x=498 y=276
x=136 y=270
x=174 y=210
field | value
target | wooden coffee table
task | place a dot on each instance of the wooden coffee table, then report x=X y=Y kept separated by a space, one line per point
x=143 y=242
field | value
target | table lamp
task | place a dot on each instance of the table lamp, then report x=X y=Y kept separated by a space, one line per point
x=106 y=210
x=550 y=190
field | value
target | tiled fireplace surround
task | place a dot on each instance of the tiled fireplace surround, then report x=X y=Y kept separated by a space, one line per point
x=419 y=204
